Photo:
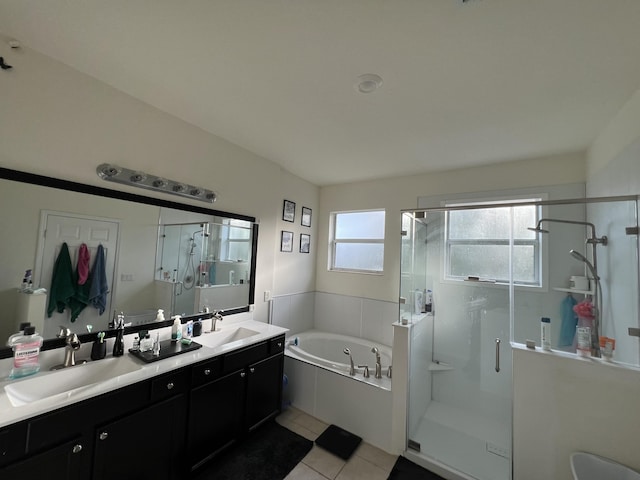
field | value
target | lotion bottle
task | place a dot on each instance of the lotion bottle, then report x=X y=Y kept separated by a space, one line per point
x=176 y=329
x=545 y=333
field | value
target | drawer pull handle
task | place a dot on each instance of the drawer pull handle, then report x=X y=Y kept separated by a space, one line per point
x=242 y=374
x=252 y=370
x=76 y=448
x=279 y=344
x=103 y=435
x=170 y=386
x=207 y=371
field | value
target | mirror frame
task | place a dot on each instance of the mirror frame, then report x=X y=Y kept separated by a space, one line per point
x=51 y=182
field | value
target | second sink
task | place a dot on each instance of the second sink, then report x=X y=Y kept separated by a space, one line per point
x=225 y=336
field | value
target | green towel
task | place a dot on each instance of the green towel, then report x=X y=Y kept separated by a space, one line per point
x=62 y=282
x=80 y=298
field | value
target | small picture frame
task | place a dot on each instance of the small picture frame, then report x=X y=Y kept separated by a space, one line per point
x=289 y=211
x=305 y=219
x=305 y=242
x=286 y=241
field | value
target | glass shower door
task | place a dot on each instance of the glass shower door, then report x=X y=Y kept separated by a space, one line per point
x=460 y=374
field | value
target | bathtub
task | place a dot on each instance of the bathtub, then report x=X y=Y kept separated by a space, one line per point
x=320 y=385
x=326 y=350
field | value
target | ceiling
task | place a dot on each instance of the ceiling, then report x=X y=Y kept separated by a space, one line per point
x=465 y=84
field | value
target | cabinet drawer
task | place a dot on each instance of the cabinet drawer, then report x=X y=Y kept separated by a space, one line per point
x=205 y=372
x=240 y=359
x=276 y=345
x=168 y=385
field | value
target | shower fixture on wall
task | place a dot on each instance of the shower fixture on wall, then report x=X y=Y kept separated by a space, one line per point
x=125 y=176
x=592 y=240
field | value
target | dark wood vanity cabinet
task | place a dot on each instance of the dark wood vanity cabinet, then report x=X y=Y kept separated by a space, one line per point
x=159 y=429
x=242 y=390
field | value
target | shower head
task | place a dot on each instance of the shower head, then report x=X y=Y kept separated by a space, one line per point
x=578 y=256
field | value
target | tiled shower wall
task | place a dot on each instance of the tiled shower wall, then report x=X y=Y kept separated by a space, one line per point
x=342 y=314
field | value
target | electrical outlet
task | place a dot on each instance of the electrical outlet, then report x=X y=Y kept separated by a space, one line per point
x=267 y=295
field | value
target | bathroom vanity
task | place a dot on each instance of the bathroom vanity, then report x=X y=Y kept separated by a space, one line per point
x=160 y=420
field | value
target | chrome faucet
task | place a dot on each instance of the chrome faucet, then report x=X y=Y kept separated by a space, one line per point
x=365 y=372
x=72 y=344
x=215 y=318
x=352 y=369
x=378 y=366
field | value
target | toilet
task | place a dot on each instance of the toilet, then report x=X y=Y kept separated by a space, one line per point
x=586 y=466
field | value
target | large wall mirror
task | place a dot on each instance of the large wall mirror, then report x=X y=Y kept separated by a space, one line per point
x=148 y=253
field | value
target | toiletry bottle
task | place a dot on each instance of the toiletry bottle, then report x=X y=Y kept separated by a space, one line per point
x=160 y=316
x=146 y=344
x=197 y=328
x=429 y=302
x=545 y=333
x=26 y=353
x=188 y=329
x=176 y=329
x=13 y=337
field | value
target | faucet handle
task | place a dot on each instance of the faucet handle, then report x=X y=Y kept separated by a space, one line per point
x=64 y=332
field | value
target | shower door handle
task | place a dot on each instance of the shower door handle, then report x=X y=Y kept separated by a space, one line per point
x=497 y=354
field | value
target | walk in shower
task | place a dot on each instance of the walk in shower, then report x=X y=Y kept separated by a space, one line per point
x=476 y=278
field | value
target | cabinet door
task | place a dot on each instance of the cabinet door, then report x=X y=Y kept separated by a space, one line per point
x=215 y=416
x=64 y=462
x=146 y=445
x=264 y=390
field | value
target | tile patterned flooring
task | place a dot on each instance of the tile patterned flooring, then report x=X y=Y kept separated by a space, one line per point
x=367 y=462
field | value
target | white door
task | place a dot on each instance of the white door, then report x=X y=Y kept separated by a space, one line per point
x=57 y=228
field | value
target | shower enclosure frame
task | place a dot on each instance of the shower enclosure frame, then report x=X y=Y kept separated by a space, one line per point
x=403 y=309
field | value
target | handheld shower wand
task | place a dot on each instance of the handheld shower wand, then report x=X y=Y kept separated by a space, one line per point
x=352 y=369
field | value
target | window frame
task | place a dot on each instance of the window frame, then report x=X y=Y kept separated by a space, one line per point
x=333 y=242
x=479 y=204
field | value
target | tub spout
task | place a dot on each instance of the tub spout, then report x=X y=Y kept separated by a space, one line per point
x=352 y=369
x=365 y=373
x=378 y=366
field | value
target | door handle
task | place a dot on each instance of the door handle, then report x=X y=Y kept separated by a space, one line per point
x=497 y=354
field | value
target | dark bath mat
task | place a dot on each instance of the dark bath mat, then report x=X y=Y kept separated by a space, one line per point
x=338 y=441
x=269 y=453
x=407 y=470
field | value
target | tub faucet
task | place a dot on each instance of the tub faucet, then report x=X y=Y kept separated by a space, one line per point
x=378 y=366
x=352 y=369
x=72 y=344
x=365 y=373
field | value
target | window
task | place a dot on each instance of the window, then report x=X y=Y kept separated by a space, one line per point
x=357 y=241
x=478 y=242
x=235 y=244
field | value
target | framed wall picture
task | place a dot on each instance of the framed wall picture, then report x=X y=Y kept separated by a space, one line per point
x=286 y=241
x=305 y=219
x=289 y=211
x=305 y=242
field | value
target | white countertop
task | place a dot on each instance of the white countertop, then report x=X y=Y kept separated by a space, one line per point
x=10 y=414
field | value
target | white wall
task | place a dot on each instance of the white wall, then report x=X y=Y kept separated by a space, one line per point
x=395 y=194
x=58 y=122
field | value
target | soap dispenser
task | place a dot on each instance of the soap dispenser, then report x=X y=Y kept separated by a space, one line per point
x=118 y=346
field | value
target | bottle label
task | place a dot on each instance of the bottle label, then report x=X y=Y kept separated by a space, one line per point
x=26 y=354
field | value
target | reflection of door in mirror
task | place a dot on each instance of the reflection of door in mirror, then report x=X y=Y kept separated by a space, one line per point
x=57 y=228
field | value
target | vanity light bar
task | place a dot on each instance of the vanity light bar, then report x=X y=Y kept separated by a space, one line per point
x=113 y=173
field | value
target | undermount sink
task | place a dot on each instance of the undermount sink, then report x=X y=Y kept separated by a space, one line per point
x=586 y=466
x=68 y=381
x=225 y=336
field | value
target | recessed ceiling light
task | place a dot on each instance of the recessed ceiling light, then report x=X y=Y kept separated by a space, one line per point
x=369 y=82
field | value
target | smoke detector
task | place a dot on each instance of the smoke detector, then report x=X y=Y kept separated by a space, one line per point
x=369 y=82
